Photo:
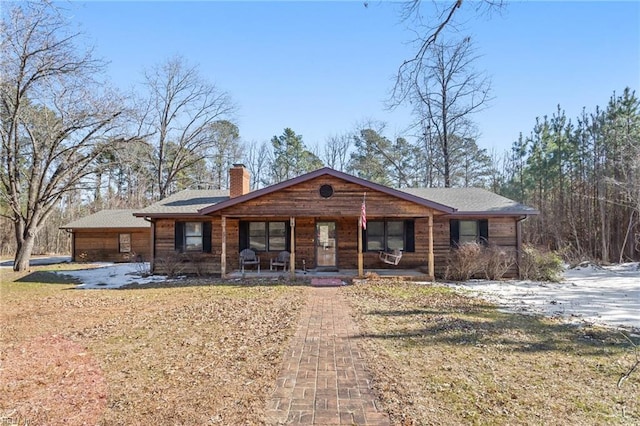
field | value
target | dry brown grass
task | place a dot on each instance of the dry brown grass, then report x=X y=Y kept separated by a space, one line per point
x=199 y=354
x=196 y=353
x=440 y=358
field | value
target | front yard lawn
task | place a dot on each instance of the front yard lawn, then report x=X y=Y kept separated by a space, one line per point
x=200 y=354
x=438 y=357
x=204 y=352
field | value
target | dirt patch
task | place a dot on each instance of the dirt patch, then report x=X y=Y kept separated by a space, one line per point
x=52 y=380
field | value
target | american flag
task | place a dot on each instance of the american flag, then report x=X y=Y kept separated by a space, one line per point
x=363 y=213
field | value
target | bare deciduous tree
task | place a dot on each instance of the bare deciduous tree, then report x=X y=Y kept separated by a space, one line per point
x=336 y=151
x=56 y=117
x=257 y=158
x=448 y=92
x=180 y=109
x=428 y=32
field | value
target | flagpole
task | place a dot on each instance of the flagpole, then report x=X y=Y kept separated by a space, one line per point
x=362 y=225
x=360 y=259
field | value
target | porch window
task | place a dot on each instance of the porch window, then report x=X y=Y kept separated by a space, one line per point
x=193 y=237
x=258 y=236
x=264 y=236
x=468 y=231
x=375 y=236
x=124 y=243
x=277 y=236
x=388 y=235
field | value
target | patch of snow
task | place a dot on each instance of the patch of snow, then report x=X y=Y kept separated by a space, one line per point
x=608 y=296
x=113 y=275
x=42 y=260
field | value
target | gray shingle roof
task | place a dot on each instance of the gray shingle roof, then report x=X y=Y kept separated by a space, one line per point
x=185 y=203
x=122 y=218
x=472 y=200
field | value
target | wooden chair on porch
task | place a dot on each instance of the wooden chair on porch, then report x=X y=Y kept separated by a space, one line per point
x=392 y=258
x=281 y=260
x=248 y=257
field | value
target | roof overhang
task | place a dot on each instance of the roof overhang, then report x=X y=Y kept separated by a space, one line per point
x=166 y=215
x=517 y=213
x=88 y=228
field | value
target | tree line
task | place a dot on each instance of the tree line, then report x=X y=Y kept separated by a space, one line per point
x=584 y=177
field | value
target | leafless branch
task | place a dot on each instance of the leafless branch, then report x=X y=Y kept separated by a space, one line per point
x=409 y=71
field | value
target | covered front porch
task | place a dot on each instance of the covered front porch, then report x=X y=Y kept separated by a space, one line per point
x=327 y=246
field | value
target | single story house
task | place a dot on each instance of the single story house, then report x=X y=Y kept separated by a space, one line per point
x=110 y=236
x=317 y=218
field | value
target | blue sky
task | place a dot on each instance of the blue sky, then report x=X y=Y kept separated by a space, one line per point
x=322 y=67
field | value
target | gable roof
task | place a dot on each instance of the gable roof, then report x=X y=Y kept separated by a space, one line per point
x=326 y=171
x=120 y=218
x=473 y=201
x=454 y=201
x=184 y=203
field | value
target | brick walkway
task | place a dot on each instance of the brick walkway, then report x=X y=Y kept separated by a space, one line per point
x=323 y=380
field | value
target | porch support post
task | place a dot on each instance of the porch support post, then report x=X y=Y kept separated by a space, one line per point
x=292 y=256
x=519 y=244
x=431 y=257
x=223 y=251
x=360 y=257
x=152 y=243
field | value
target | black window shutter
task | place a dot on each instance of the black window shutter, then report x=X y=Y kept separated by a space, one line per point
x=287 y=236
x=410 y=238
x=206 y=237
x=454 y=232
x=483 y=227
x=243 y=233
x=179 y=236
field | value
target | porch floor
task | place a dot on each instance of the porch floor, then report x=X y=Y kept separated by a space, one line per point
x=407 y=274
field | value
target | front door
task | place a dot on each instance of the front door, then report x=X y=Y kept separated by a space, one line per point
x=326 y=246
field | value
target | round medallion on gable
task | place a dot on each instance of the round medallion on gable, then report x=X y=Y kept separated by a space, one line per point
x=326 y=191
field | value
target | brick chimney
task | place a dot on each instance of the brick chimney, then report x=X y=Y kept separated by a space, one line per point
x=239 y=180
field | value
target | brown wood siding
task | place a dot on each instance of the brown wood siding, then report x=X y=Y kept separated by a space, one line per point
x=189 y=263
x=304 y=242
x=441 y=245
x=165 y=238
x=307 y=206
x=102 y=245
x=347 y=236
x=305 y=200
x=233 y=242
x=502 y=233
x=348 y=248
x=305 y=237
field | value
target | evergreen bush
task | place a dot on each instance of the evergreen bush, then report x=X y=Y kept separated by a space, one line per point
x=538 y=265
